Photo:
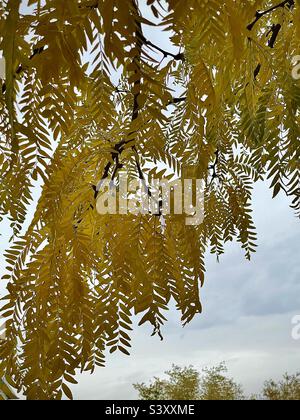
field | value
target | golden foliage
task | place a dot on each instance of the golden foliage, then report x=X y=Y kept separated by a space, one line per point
x=75 y=278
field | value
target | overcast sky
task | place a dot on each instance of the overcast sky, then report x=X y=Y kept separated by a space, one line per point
x=247 y=312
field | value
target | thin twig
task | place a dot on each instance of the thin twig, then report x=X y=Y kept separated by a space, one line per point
x=177 y=57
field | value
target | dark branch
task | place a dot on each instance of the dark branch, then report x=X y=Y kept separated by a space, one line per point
x=143 y=179
x=275 y=32
x=257 y=71
x=214 y=167
x=177 y=57
x=175 y=101
x=119 y=148
x=140 y=42
x=259 y=14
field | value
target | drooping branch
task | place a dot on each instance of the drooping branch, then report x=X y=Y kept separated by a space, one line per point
x=119 y=148
x=136 y=90
x=140 y=41
x=37 y=51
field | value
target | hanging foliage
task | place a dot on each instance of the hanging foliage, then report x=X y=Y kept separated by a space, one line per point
x=86 y=94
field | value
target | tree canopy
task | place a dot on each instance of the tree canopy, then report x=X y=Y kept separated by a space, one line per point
x=189 y=384
x=88 y=93
x=287 y=389
x=213 y=384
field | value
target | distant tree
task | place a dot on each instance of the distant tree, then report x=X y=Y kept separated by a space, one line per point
x=215 y=385
x=286 y=389
x=182 y=384
x=188 y=384
x=153 y=392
